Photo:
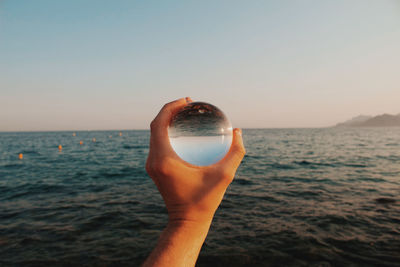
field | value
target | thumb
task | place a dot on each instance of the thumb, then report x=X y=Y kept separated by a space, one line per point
x=236 y=153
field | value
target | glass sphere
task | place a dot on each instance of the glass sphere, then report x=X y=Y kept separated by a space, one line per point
x=200 y=134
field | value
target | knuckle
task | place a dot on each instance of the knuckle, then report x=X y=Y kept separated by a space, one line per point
x=149 y=168
x=153 y=125
x=240 y=151
x=226 y=174
x=227 y=179
x=162 y=168
x=166 y=106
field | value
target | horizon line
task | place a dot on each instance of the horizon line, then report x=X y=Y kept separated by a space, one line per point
x=148 y=129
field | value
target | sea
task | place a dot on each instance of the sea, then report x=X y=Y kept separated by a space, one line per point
x=301 y=197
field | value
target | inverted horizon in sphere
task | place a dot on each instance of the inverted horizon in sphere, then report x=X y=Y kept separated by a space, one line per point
x=200 y=134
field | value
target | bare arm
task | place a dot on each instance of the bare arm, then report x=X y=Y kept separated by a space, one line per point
x=191 y=193
x=179 y=245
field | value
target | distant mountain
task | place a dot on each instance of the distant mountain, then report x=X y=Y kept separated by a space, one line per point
x=385 y=120
x=354 y=121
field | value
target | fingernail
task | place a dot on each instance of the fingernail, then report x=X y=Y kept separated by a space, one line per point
x=188 y=100
x=239 y=131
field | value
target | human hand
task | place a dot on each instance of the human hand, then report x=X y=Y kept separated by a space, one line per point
x=191 y=193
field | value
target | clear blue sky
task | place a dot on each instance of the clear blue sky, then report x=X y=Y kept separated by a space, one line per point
x=71 y=65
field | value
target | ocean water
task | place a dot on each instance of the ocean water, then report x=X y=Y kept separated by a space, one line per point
x=319 y=197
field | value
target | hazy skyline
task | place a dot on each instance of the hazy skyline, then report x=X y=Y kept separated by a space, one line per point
x=85 y=65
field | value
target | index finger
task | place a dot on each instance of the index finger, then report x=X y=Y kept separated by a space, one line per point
x=159 y=126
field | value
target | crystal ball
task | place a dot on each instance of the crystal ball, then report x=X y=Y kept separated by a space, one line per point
x=200 y=134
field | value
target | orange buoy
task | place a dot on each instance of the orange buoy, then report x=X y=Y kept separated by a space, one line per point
x=60 y=147
x=20 y=156
x=81 y=142
x=110 y=136
x=94 y=140
x=74 y=134
x=120 y=133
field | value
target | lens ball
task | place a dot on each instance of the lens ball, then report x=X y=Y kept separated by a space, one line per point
x=200 y=134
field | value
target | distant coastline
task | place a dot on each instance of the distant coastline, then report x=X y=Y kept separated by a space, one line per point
x=384 y=120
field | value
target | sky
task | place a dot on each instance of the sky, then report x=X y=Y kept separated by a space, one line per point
x=97 y=65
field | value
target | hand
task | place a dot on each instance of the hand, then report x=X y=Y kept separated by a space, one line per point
x=191 y=193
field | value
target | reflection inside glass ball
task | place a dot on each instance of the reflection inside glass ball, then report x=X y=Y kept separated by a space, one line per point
x=200 y=134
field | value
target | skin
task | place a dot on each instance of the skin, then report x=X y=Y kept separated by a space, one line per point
x=191 y=193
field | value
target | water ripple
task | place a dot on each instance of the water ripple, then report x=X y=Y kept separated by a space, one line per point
x=302 y=197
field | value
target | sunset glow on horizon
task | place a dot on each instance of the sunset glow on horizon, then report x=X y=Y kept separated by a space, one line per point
x=98 y=65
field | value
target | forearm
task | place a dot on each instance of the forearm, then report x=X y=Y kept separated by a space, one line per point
x=179 y=244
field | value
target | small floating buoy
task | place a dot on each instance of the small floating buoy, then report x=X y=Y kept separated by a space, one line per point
x=81 y=142
x=110 y=136
x=120 y=133
x=60 y=147
x=94 y=140
x=20 y=156
x=74 y=134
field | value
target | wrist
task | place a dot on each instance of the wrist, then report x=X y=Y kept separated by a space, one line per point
x=190 y=218
x=195 y=225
